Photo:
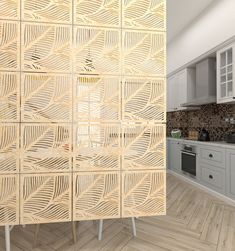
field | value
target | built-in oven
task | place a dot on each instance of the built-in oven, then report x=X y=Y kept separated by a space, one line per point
x=189 y=160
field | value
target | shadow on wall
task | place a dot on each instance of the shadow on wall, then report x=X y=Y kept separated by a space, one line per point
x=211 y=117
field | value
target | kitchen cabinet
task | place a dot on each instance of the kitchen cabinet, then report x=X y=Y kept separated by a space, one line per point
x=174 y=155
x=180 y=89
x=225 y=74
x=230 y=176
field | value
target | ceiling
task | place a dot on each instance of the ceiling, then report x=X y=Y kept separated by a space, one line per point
x=180 y=13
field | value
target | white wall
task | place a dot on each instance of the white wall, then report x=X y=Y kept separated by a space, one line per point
x=211 y=28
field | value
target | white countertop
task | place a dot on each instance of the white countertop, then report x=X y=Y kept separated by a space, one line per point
x=208 y=143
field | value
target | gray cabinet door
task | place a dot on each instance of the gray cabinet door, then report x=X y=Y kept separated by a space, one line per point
x=230 y=161
x=175 y=155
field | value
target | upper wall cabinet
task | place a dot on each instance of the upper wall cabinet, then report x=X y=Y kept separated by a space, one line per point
x=225 y=74
x=180 y=89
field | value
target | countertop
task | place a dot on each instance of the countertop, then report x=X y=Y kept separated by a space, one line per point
x=222 y=144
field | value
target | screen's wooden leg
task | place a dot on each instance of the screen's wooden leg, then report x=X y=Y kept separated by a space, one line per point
x=7 y=238
x=36 y=235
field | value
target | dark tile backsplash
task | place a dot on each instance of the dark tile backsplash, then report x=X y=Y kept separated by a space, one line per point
x=211 y=117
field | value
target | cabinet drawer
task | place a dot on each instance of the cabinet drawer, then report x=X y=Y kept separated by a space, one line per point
x=213 y=156
x=213 y=177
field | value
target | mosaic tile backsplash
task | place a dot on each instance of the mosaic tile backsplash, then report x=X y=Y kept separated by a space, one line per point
x=211 y=117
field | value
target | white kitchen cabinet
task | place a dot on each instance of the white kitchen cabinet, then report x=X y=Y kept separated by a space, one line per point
x=172 y=97
x=180 y=89
x=174 y=155
x=230 y=173
x=225 y=74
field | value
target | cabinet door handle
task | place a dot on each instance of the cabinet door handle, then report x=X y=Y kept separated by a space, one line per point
x=211 y=155
x=210 y=176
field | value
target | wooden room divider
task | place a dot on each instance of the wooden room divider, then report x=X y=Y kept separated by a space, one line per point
x=82 y=110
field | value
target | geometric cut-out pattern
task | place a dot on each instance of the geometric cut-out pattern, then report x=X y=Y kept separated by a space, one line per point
x=98 y=12
x=9 y=148
x=144 y=14
x=46 y=98
x=144 y=53
x=46 y=148
x=97 y=98
x=47 y=11
x=144 y=193
x=46 y=48
x=96 y=147
x=9 y=45
x=9 y=97
x=143 y=147
x=97 y=50
x=96 y=196
x=45 y=198
x=9 y=199
x=144 y=99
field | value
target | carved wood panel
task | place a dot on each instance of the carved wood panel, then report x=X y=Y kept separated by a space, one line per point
x=9 y=148
x=47 y=11
x=96 y=50
x=46 y=97
x=144 y=14
x=144 y=147
x=144 y=99
x=9 y=9
x=98 y=13
x=45 y=198
x=143 y=193
x=9 y=199
x=96 y=147
x=46 y=48
x=9 y=97
x=9 y=45
x=96 y=195
x=97 y=98
x=144 y=53
x=46 y=148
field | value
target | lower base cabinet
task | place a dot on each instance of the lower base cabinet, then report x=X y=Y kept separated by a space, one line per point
x=230 y=177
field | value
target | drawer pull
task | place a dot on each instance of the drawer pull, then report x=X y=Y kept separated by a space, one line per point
x=211 y=155
x=210 y=176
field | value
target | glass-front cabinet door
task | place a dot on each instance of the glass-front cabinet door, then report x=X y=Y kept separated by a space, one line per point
x=225 y=74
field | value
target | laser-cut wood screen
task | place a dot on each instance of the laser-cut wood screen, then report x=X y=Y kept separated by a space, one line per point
x=82 y=110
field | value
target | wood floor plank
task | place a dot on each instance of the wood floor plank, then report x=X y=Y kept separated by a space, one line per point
x=195 y=221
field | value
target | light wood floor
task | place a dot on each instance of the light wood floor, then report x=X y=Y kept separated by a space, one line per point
x=195 y=221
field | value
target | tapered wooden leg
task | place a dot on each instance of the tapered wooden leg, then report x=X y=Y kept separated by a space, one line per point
x=74 y=230
x=36 y=235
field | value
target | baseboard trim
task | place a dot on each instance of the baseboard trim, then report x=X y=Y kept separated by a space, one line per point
x=204 y=188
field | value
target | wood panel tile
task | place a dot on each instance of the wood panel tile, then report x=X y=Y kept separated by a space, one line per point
x=47 y=11
x=144 y=147
x=9 y=97
x=96 y=195
x=46 y=97
x=143 y=193
x=96 y=50
x=46 y=148
x=9 y=45
x=98 y=13
x=144 y=99
x=10 y=9
x=9 y=148
x=45 y=198
x=144 y=53
x=96 y=147
x=46 y=48
x=9 y=199
x=97 y=98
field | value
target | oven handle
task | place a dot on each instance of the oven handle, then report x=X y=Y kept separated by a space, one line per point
x=191 y=154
